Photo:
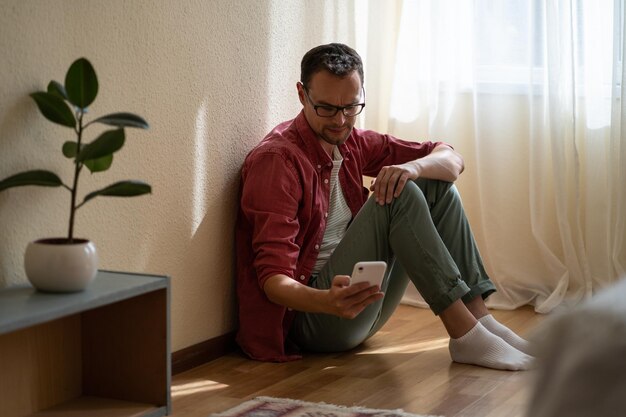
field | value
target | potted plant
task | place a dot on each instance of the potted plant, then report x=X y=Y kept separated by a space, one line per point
x=65 y=264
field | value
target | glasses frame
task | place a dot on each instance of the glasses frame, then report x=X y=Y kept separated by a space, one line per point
x=336 y=108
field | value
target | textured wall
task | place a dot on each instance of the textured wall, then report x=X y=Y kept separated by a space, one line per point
x=211 y=78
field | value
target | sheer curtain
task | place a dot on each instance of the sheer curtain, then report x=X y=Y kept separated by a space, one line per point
x=530 y=92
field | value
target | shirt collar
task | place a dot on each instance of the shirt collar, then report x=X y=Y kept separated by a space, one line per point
x=311 y=140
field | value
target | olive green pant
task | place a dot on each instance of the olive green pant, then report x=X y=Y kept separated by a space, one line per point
x=425 y=238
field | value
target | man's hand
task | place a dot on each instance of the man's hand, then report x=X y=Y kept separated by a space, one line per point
x=391 y=181
x=443 y=163
x=347 y=301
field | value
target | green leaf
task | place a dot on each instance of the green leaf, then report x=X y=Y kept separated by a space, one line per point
x=35 y=177
x=70 y=149
x=81 y=83
x=123 y=120
x=130 y=188
x=56 y=88
x=100 y=164
x=107 y=143
x=54 y=108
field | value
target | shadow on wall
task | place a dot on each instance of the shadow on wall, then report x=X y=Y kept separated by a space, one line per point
x=229 y=118
x=247 y=89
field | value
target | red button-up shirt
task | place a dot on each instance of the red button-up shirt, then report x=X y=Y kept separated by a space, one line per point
x=285 y=184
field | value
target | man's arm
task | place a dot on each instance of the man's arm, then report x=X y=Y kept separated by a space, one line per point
x=443 y=163
x=342 y=299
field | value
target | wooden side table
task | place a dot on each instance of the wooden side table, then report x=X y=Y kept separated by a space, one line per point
x=104 y=351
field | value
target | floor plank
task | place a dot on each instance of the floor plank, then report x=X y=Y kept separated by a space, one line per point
x=406 y=365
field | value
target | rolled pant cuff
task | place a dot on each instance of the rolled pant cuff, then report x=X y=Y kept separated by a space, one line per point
x=483 y=288
x=443 y=301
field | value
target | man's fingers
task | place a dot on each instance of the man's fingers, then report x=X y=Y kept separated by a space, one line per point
x=356 y=309
x=392 y=184
x=384 y=185
x=389 y=184
x=341 y=280
x=350 y=300
x=400 y=185
x=363 y=297
x=379 y=183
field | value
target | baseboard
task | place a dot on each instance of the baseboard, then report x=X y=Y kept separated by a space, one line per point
x=203 y=352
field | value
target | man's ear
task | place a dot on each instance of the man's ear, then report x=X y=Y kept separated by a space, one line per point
x=300 y=89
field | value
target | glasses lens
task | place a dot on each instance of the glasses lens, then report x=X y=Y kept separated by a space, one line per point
x=326 y=111
x=353 y=110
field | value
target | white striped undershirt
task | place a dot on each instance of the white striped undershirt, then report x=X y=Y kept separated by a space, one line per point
x=339 y=215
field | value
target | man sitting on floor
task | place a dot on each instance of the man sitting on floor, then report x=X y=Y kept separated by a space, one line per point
x=305 y=220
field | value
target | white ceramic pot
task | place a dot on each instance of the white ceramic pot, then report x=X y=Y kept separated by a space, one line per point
x=55 y=265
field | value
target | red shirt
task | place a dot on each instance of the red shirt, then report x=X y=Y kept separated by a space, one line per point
x=285 y=184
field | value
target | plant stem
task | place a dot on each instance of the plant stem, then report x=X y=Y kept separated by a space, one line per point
x=77 y=168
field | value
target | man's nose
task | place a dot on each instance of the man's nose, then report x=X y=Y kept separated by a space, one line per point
x=339 y=118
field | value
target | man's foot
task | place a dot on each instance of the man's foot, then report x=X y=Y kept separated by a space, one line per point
x=481 y=347
x=505 y=333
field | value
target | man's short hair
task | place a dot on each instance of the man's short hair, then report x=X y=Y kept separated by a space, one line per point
x=336 y=58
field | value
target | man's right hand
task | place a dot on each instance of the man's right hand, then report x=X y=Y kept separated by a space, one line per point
x=342 y=299
x=347 y=301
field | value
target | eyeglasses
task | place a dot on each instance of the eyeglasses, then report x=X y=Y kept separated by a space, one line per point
x=326 y=110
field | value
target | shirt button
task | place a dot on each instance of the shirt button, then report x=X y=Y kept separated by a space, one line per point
x=325 y=214
x=325 y=180
x=317 y=247
x=302 y=277
x=319 y=166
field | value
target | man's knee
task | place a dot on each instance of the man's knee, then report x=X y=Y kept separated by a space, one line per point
x=413 y=193
x=436 y=190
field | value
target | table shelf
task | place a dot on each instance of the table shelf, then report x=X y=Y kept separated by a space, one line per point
x=105 y=349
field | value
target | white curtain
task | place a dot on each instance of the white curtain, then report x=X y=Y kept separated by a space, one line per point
x=530 y=92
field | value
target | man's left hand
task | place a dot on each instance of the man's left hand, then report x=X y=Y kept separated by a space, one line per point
x=391 y=181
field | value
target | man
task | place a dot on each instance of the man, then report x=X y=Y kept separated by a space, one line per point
x=305 y=219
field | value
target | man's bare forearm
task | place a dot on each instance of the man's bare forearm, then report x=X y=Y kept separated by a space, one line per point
x=443 y=163
x=281 y=289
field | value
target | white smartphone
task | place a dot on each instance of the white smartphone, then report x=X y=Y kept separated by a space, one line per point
x=372 y=272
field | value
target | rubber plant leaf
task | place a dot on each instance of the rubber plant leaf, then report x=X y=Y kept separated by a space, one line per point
x=107 y=143
x=56 y=88
x=81 y=83
x=100 y=164
x=54 y=108
x=35 y=177
x=123 y=120
x=129 y=188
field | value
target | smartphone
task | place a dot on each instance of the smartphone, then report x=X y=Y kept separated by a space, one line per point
x=372 y=272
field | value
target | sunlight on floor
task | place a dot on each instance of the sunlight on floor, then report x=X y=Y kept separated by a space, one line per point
x=181 y=390
x=417 y=347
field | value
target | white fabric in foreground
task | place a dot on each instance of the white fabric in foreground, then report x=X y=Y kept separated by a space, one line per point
x=582 y=359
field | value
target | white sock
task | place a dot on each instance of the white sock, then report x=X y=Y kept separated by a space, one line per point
x=481 y=347
x=499 y=329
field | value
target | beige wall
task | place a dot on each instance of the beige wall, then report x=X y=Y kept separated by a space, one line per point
x=211 y=77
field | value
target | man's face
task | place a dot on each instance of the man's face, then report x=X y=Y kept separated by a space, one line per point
x=326 y=89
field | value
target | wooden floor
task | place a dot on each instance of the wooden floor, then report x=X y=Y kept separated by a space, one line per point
x=406 y=365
